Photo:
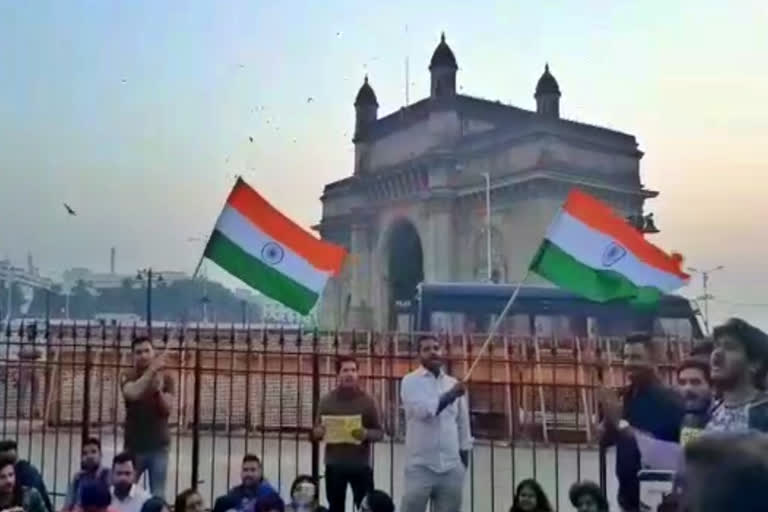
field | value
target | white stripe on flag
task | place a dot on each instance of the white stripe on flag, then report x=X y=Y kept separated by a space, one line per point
x=589 y=246
x=253 y=240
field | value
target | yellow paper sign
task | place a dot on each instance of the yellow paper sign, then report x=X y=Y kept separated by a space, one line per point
x=688 y=434
x=338 y=429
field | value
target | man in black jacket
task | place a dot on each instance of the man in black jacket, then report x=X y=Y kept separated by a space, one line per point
x=26 y=474
x=648 y=406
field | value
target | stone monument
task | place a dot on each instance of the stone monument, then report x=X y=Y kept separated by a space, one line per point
x=414 y=208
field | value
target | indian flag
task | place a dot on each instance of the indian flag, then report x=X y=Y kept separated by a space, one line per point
x=256 y=243
x=591 y=251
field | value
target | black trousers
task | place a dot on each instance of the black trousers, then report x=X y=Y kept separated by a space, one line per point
x=360 y=478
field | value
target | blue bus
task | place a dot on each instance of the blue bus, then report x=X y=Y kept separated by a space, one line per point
x=543 y=311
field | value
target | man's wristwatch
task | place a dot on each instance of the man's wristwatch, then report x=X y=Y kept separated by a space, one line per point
x=623 y=425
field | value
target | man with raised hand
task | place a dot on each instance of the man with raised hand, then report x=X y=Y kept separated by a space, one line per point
x=437 y=436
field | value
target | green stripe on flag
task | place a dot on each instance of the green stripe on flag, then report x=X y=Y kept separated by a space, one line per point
x=259 y=275
x=562 y=269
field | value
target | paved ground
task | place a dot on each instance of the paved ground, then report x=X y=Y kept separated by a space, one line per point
x=494 y=471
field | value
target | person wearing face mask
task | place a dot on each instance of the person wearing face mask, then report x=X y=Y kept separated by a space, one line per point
x=304 y=496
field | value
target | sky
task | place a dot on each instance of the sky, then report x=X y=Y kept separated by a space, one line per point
x=138 y=114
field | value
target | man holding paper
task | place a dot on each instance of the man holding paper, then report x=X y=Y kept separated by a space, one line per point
x=348 y=422
x=437 y=435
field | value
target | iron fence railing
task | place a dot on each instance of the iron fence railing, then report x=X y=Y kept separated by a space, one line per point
x=238 y=389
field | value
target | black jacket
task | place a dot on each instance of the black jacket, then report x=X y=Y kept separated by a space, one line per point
x=654 y=409
x=27 y=475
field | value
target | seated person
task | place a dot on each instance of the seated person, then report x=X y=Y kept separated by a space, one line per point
x=91 y=470
x=14 y=496
x=304 y=496
x=127 y=496
x=27 y=475
x=252 y=488
x=94 y=497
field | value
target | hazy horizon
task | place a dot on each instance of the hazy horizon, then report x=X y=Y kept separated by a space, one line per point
x=139 y=114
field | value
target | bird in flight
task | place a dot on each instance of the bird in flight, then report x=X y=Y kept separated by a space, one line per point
x=69 y=209
x=250 y=138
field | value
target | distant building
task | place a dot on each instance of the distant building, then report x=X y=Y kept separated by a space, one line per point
x=274 y=313
x=28 y=277
x=248 y=296
x=94 y=280
x=117 y=318
x=414 y=207
x=103 y=280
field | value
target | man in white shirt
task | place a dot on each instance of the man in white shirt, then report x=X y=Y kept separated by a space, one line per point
x=437 y=436
x=126 y=495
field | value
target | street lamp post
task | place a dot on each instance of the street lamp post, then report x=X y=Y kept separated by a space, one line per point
x=489 y=263
x=142 y=275
x=707 y=296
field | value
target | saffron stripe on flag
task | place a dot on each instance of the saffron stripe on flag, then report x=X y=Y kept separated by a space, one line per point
x=257 y=244
x=602 y=218
x=259 y=275
x=588 y=245
x=260 y=212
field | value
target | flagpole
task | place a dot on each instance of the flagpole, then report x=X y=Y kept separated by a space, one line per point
x=496 y=326
x=199 y=264
x=238 y=178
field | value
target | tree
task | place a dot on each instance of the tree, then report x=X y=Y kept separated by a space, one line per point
x=178 y=301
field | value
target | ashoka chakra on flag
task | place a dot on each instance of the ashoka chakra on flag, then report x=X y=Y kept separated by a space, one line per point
x=256 y=243
x=591 y=251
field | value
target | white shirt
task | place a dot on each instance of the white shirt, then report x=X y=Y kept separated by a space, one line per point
x=132 y=503
x=433 y=440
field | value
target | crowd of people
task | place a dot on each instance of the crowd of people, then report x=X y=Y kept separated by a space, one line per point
x=701 y=435
x=694 y=434
x=148 y=392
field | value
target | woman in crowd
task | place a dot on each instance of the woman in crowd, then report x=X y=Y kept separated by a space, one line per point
x=189 y=501
x=530 y=497
x=304 y=496
x=587 y=497
x=155 y=504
